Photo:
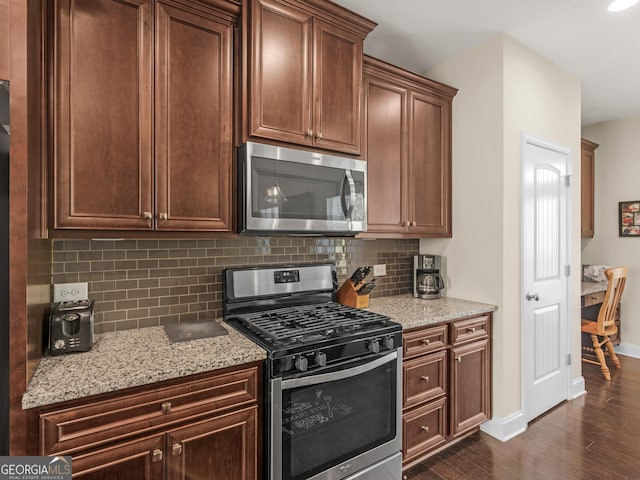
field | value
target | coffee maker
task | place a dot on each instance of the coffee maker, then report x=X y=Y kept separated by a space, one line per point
x=427 y=280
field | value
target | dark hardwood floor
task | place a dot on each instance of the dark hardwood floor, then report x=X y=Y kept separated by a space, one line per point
x=596 y=436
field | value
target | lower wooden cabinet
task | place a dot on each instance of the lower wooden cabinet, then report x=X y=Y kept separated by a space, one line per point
x=205 y=427
x=446 y=385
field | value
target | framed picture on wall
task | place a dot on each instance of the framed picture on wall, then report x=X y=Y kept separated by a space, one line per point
x=629 y=215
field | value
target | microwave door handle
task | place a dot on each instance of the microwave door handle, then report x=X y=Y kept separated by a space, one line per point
x=348 y=180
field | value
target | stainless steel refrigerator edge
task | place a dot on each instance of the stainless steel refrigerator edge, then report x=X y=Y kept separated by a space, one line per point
x=4 y=267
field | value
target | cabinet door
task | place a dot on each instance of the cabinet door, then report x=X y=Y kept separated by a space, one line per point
x=224 y=447
x=140 y=459
x=102 y=82
x=430 y=165
x=587 y=188
x=470 y=386
x=4 y=39
x=193 y=111
x=386 y=118
x=337 y=88
x=280 y=72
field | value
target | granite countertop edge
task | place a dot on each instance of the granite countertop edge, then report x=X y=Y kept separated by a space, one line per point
x=132 y=358
x=587 y=288
x=411 y=312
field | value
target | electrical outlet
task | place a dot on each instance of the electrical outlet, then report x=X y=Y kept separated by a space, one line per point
x=68 y=292
x=379 y=270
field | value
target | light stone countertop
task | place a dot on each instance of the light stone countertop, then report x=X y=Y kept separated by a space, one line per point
x=413 y=312
x=132 y=358
x=587 y=288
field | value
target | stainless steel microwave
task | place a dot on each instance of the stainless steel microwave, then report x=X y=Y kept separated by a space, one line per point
x=284 y=190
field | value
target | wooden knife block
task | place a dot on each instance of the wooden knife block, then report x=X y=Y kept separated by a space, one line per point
x=346 y=295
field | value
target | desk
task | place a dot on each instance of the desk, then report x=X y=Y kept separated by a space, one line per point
x=592 y=295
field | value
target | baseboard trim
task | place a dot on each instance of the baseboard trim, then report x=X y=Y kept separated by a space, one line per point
x=629 y=350
x=505 y=429
x=577 y=388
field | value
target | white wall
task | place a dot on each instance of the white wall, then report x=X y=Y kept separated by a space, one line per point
x=617 y=170
x=505 y=89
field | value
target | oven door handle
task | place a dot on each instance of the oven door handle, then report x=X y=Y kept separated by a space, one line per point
x=339 y=375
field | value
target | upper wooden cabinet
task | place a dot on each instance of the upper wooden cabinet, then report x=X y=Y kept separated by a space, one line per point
x=408 y=152
x=4 y=39
x=587 y=187
x=142 y=114
x=304 y=73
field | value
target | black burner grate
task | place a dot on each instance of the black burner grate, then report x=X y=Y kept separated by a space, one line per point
x=308 y=322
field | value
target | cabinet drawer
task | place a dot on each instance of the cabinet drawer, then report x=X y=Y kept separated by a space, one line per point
x=592 y=299
x=470 y=329
x=423 y=429
x=424 y=341
x=424 y=379
x=68 y=430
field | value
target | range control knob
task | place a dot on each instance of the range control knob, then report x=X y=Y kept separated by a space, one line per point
x=302 y=363
x=59 y=344
x=388 y=343
x=374 y=346
x=321 y=359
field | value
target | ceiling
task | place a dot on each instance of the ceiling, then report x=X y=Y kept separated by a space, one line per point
x=600 y=48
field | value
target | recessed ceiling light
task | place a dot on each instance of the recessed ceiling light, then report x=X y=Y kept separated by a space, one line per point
x=618 y=5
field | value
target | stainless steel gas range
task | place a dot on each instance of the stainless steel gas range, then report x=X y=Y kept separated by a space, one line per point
x=333 y=374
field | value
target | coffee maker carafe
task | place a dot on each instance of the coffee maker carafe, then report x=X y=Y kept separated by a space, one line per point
x=427 y=279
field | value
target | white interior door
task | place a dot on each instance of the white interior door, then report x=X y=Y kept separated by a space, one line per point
x=545 y=257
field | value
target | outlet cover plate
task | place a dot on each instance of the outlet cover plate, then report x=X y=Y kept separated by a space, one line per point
x=380 y=270
x=68 y=292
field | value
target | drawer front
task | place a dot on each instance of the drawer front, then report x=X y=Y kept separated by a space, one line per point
x=424 y=379
x=66 y=431
x=419 y=342
x=470 y=329
x=423 y=429
x=592 y=299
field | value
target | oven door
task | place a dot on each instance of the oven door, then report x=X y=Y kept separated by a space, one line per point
x=336 y=422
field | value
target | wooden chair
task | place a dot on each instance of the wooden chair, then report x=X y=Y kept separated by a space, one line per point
x=605 y=325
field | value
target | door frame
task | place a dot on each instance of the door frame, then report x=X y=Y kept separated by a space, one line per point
x=527 y=139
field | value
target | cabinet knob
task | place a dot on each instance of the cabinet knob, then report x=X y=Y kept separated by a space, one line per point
x=319 y=135
x=458 y=358
x=414 y=223
x=147 y=215
x=426 y=341
x=407 y=223
x=471 y=329
x=308 y=133
x=163 y=216
x=176 y=449
x=165 y=407
x=156 y=455
x=425 y=378
x=424 y=428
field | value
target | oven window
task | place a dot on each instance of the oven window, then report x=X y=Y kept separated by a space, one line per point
x=329 y=423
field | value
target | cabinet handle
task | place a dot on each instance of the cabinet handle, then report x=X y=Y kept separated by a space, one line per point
x=425 y=378
x=319 y=135
x=308 y=133
x=156 y=455
x=163 y=216
x=176 y=449
x=147 y=215
x=424 y=428
x=458 y=358
x=471 y=329
x=166 y=407
x=426 y=341
x=593 y=297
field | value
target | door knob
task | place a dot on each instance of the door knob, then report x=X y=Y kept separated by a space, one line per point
x=532 y=296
